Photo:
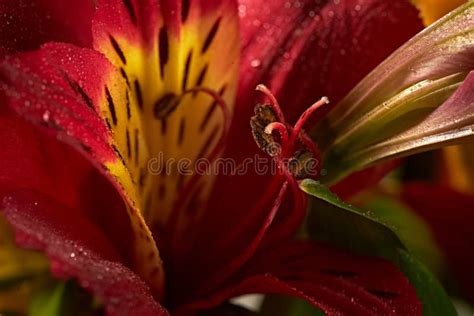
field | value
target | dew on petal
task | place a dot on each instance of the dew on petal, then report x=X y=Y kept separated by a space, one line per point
x=255 y=63
x=46 y=116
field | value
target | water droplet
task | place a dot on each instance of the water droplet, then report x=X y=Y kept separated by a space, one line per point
x=46 y=116
x=256 y=22
x=242 y=10
x=255 y=63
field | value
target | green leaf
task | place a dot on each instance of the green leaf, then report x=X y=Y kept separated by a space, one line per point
x=63 y=299
x=333 y=220
x=405 y=105
x=49 y=302
x=346 y=226
x=431 y=294
x=411 y=228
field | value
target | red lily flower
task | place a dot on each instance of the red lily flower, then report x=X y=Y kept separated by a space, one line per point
x=141 y=78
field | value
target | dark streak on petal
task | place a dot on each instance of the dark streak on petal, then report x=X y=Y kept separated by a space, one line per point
x=186 y=69
x=208 y=115
x=182 y=128
x=138 y=91
x=107 y=122
x=111 y=104
x=142 y=179
x=125 y=76
x=211 y=110
x=209 y=141
x=137 y=146
x=129 y=149
x=162 y=191
x=86 y=148
x=185 y=6
x=165 y=106
x=117 y=49
x=131 y=10
x=127 y=102
x=210 y=37
x=119 y=154
x=163 y=49
x=78 y=89
x=202 y=76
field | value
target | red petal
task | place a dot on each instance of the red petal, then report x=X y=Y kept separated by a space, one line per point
x=53 y=87
x=268 y=26
x=26 y=24
x=63 y=89
x=310 y=72
x=225 y=255
x=308 y=49
x=450 y=215
x=135 y=20
x=337 y=282
x=78 y=249
x=31 y=160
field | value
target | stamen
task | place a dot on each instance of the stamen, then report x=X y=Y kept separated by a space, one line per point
x=290 y=148
x=293 y=219
x=256 y=240
x=281 y=129
x=306 y=114
x=274 y=103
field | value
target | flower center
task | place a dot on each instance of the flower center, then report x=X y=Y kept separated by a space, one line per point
x=293 y=150
x=170 y=106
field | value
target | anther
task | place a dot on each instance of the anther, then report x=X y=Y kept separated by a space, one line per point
x=274 y=103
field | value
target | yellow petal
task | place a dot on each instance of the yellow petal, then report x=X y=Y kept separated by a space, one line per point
x=432 y=10
x=459 y=168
